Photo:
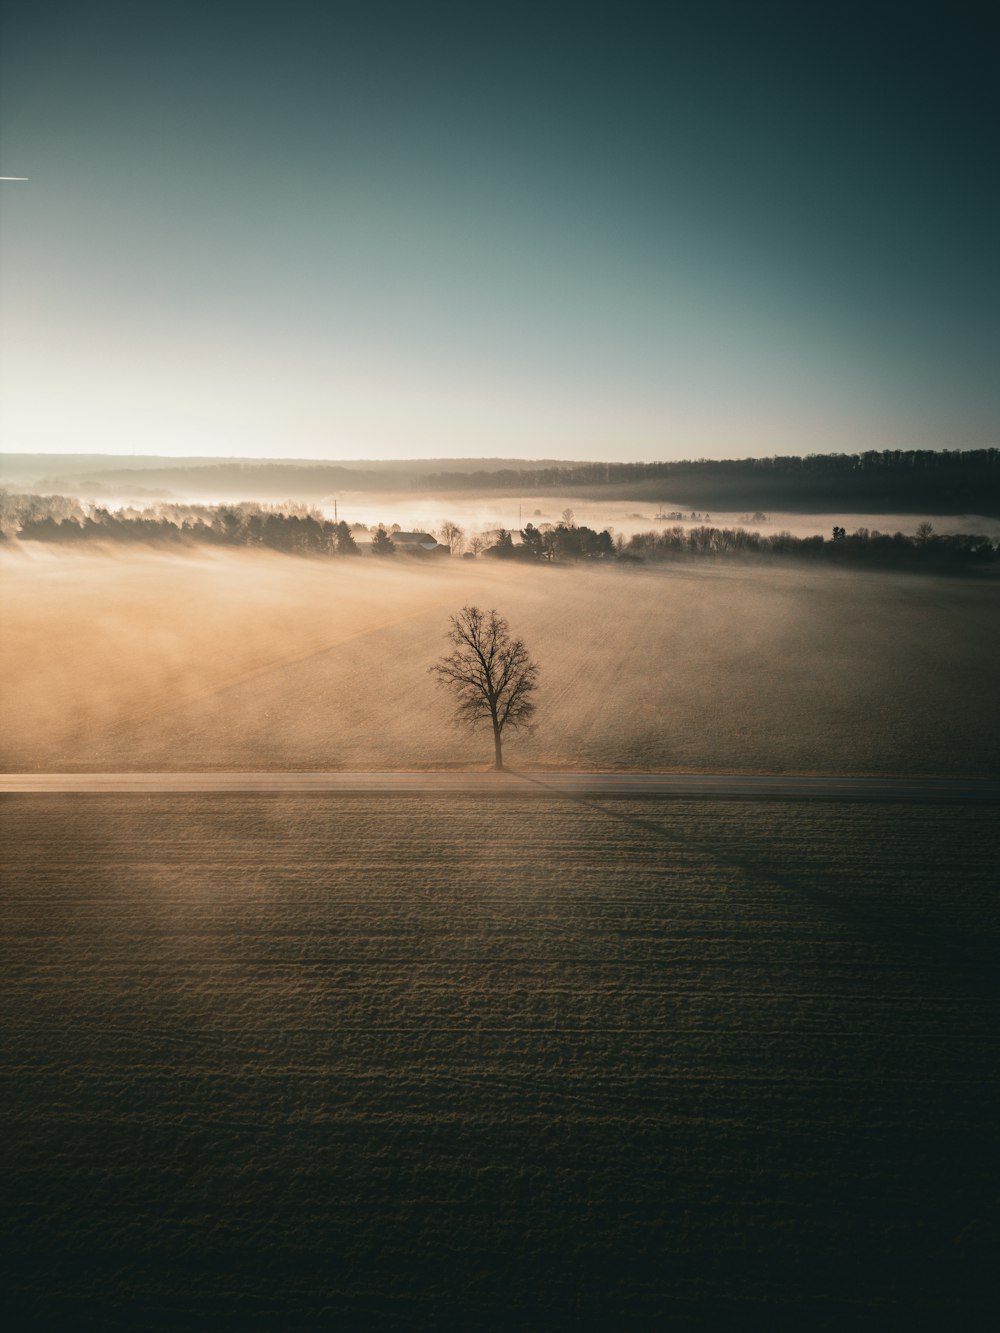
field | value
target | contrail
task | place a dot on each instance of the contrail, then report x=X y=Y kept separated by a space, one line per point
x=15 y=178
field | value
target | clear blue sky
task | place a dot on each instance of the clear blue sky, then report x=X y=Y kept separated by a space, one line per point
x=625 y=231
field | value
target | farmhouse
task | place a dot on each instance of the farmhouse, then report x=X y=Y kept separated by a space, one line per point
x=419 y=543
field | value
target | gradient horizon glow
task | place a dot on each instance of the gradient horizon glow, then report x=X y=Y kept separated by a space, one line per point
x=578 y=231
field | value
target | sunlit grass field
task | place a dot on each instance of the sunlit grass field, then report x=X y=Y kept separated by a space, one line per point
x=412 y=1062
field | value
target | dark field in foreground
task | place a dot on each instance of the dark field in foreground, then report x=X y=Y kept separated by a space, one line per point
x=287 y=1062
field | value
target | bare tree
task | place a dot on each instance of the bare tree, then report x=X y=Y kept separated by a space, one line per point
x=492 y=675
x=477 y=544
x=453 y=535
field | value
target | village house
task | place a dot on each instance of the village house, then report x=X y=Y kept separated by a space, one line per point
x=418 y=543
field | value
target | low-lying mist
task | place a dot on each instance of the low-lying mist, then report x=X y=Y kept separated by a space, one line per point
x=485 y=513
x=248 y=660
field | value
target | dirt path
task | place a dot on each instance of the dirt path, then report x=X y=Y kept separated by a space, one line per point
x=686 y=786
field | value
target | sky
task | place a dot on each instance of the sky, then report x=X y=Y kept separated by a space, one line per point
x=398 y=230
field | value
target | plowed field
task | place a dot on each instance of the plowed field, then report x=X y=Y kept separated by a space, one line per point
x=422 y=1062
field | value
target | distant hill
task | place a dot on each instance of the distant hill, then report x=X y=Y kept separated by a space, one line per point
x=162 y=477
x=922 y=481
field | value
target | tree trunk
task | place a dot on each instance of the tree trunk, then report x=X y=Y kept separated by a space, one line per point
x=497 y=746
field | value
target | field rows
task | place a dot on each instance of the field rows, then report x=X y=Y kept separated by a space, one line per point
x=413 y=1062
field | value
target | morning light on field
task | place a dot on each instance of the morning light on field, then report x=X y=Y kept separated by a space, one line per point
x=499 y=624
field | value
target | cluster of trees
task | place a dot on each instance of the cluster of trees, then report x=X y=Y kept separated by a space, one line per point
x=926 y=550
x=565 y=541
x=295 y=529
x=900 y=480
x=18 y=509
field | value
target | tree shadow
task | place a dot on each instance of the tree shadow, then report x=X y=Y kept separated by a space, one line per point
x=912 y=939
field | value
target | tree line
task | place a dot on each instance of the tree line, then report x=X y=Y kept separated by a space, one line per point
x=886 y=480
x=875 y=480
x=926 y=550
x=297 y=530
x=564 y=541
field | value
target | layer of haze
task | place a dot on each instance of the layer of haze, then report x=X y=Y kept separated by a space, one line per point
x=248 y=661
x=404 y=230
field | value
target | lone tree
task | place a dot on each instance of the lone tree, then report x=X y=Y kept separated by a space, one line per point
x=492 y=675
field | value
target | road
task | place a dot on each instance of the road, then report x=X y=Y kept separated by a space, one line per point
x=677 y=786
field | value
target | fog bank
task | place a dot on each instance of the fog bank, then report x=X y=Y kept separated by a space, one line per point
x=241 y=660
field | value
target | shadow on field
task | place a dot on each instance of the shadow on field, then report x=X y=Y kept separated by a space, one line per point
x=265 y=1068
x=913 y=937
